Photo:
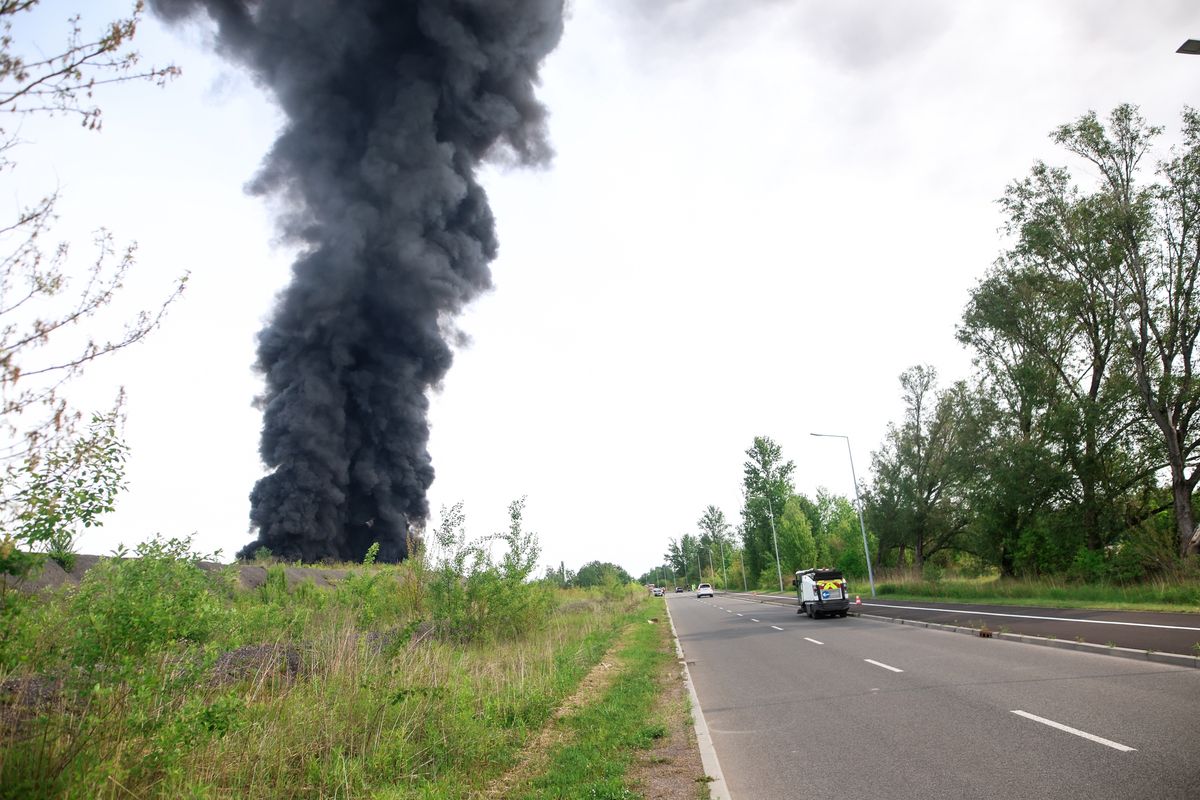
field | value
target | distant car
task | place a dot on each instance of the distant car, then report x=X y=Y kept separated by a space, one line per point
x=704 y=590
x=658 y=591
x=678 y=590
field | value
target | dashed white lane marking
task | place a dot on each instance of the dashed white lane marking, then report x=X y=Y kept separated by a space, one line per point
x=741 y=615
x=727 y=611
x=752 y=619
x=881 y=664
x=1076 y=731
x=814 y=641
x=776 y=627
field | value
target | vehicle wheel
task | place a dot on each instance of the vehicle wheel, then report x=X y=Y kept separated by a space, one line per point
x=842 y=614
x=800 y=610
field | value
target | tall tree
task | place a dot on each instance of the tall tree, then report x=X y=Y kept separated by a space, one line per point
x=1067 y=328
x=684 y=557
x=766 y=486
x=922 y=467
x=714 y=531
x=797 y=547
x=1020 y=335
x=1149 y=233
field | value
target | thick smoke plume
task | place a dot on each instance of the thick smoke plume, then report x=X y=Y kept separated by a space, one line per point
x=391 y=105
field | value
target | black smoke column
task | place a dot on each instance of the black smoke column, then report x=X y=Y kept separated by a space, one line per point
x=391 y=105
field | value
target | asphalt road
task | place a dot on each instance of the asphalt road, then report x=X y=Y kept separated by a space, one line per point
x=1140 y=630
x=859 y=708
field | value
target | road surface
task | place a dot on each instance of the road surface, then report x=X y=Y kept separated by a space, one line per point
x=858 y=708
x=1163 y=632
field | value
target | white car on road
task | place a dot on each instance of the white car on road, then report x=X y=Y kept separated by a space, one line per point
x=704 y=590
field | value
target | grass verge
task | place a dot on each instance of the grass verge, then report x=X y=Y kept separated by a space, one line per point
x=281 y=691
x=604 y=753
x=1151 y=595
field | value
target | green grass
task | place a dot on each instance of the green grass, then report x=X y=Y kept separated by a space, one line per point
x=1156 y=594
x=606 y=734
x=368 y=706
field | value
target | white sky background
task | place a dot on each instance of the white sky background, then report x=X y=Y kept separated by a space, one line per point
x=760 y=213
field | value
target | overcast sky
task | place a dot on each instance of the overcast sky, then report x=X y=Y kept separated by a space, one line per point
x=759 y=214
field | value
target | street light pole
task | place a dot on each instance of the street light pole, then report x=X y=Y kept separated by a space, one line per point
x=724 y=574
x=775 y=539
x=858 y=500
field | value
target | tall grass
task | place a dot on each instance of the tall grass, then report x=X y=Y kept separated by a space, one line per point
x=608 y=732
x=284 y=692
x=1166 y=593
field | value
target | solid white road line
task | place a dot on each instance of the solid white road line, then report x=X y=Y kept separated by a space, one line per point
x=1076 y=731
x=972 y=612
x=776 y=627
x=814 y=641
x=885 y=666
x=708 y=754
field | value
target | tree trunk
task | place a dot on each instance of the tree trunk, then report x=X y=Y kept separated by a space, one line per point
x=1185 y=522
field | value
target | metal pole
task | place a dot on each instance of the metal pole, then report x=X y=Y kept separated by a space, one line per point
x=724 y=574
x=858 y=500
x=778 y=568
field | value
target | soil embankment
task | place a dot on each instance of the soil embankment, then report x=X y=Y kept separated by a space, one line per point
x=250 y=576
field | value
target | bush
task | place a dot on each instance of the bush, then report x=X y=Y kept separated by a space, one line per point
x=473 y=598
x=768 y=579
x=68 y=488
x=129 y=608
x=1088 y=566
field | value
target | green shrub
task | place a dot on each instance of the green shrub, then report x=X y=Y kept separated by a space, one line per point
x=471 y=597
x=128 y=608
x=69 y=487
x=1088 y=566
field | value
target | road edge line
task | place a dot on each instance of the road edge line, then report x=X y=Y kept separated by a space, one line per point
x=717 y=788
x=1173 y=659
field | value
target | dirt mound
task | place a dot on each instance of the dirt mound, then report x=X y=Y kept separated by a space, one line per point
x=250 y=576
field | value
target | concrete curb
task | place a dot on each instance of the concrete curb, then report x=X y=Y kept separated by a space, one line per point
x=1175 y=659
x=717 y=788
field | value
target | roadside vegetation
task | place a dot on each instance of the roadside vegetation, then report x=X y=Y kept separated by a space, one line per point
x=631 y=736
x=1064 y=467
x=1160 y=593
x=157 y=678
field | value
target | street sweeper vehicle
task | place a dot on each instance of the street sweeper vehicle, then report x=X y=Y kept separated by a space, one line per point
x=822 y=592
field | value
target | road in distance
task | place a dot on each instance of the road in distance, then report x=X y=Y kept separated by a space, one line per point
x=1160 y=631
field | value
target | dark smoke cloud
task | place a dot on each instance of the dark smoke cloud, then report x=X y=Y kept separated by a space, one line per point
x=391 y=105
